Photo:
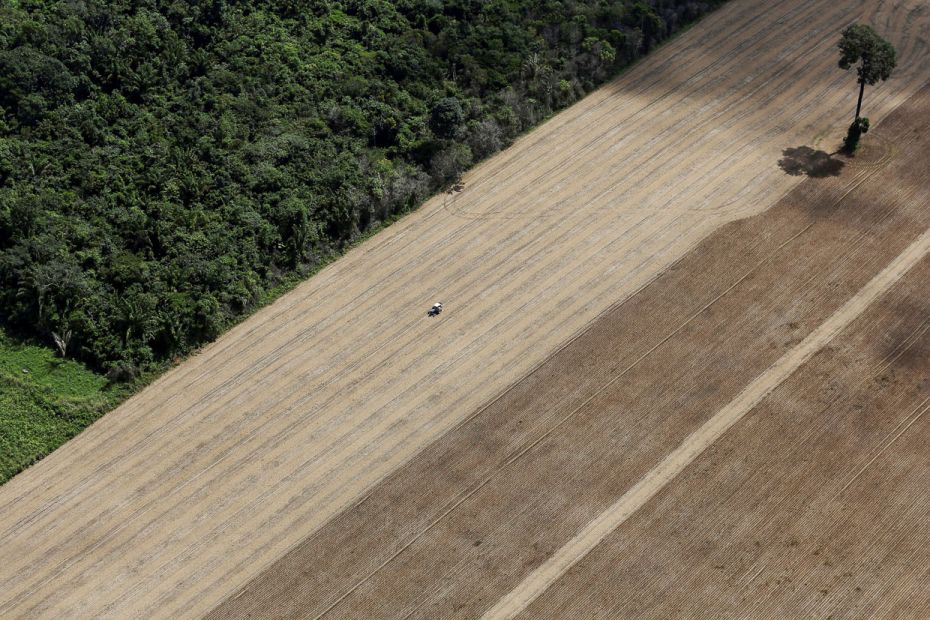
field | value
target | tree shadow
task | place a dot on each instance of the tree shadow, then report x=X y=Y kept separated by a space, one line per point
x=803 y=160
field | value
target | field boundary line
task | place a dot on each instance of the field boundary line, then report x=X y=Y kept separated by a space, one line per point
x=695 y=444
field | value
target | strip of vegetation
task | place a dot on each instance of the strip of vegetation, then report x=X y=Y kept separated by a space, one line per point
x=167 y=167
x=44 y=401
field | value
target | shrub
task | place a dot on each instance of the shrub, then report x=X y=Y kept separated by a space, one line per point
x=858 y=127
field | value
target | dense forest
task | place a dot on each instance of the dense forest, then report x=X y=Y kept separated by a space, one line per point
x=166 y=163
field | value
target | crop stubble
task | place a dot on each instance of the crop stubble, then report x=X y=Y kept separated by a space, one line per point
x=173 y=501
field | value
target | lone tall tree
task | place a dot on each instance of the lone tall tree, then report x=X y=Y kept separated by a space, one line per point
x=875 y=57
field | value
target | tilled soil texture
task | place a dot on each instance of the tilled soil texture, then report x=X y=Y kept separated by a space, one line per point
x=175 y=500
x=815 y=506
x=477 y=512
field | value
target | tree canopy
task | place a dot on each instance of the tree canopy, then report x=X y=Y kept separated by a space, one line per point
x=873 y=56
x=165 y=164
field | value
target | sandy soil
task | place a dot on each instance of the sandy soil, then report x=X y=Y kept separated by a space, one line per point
x=172 y=502
x=541 y=473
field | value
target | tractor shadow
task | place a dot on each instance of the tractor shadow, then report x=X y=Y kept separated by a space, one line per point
x=803 y=160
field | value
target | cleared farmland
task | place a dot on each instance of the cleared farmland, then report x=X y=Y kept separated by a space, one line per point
x=815 y=506
x=173 y=502
x=484 y=508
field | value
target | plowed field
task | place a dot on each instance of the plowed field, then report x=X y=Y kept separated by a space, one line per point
x=555 y=488
x=815 y=506
x=183 y=496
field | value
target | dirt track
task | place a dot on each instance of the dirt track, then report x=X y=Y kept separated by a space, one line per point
x=504 y=495
x=174 y=501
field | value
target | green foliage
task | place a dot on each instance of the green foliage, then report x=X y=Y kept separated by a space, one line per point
x=164 y=165
x=446 y=117
x=873 y=57
x=854 y=135
x=44 y=401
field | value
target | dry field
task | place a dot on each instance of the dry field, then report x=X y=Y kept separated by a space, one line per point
x=177 y=500
x=815 y=506
x=607 y=482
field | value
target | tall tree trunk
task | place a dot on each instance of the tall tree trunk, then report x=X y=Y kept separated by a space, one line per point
x=62 y=341
x=861 y=91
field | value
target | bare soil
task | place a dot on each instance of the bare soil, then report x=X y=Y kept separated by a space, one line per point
x=815 y=506
x=173 y=502
x=474 y=514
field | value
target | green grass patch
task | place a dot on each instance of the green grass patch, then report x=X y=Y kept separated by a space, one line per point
x=45 y=401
